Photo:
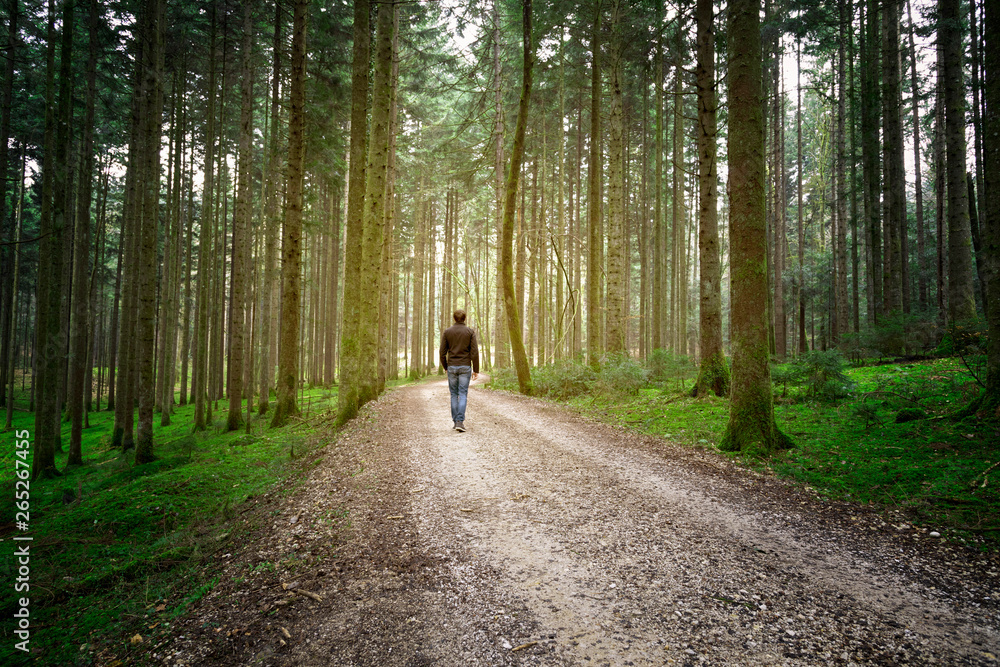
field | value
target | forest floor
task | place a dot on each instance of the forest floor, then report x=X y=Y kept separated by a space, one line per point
x=540 y=537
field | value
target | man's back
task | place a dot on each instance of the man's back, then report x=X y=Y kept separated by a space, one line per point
x=459 y=347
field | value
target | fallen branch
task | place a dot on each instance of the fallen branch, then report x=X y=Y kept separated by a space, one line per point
x=308 y=594
x=523 y=646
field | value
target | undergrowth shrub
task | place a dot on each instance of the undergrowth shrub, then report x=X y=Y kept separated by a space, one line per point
x=819 y=375
x=504 y=379
x=783 y=375
x=895 y=335
x=664 y=366
x=823 y=375
x=563 y=379
x=968 y=341
x=621 y=374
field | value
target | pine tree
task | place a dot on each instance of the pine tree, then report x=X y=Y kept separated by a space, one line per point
x=751 y=428
x=291 y=239
x=713 y=374
x=506 y=260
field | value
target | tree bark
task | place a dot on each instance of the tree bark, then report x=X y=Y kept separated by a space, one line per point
x=616 y=193
x=369 y=324
x=241 y=230
x=499 y=338
x=871 y=171
x=923 y=301
x=751 y=428
x=894 y=184
x=48 y=331
x=150 y=191
x=713 y=373
x=961 y=299
x=199 y=380
x=268 y=302
x=291 y=240
x=594 y=241
x=990 y=401
x=8 y=289
x=81 y=261
x=510 y=208
x=347 y=395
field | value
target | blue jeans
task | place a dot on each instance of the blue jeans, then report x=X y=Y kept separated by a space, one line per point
x=458 y=382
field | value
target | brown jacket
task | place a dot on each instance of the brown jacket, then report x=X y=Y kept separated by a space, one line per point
x=459 y=347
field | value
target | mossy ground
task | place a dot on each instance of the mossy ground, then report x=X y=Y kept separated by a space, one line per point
x=119 y=549
x=936 y=469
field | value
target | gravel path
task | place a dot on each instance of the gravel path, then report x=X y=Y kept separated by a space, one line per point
x=541 y=538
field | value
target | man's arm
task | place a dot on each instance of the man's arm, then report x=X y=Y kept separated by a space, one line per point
x=474 y=353
x=443 y=352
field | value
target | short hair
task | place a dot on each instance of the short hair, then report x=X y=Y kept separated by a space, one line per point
x=459 y=316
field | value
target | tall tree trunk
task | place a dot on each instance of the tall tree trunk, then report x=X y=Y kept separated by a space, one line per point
x=940 y=189
x=961 y=299
x=146 y=313
x=977 y=121
x=291 y=240
x=347 y=394
x=499 y=330
x=416 y=343
x=616 y=193
x=778 y=199
x=990 y=401
x=923 y=301
x=713 y=374
x=241 y=231
x=8 y=289
x=387 y=319
x=751 y=428
x=594 y=198
x=48 y=331
x=14 y=300
x=840 y=242
x=977 y=245
x=188 y=268
x=81 y=261
x=559 y=240
x=894 y=184
x=375 y=176
x=678 y=290
x=871 y=172
x=271 y=223
x=659 y=290
x=506 y=262
x=800 y=285
x=199 y=380
x=853 y=157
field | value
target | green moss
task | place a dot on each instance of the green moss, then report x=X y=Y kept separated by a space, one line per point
x=112 y=540
x=713 y=376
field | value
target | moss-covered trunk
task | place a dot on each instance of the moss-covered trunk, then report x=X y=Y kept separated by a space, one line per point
x=751 y=428
x=375 y=177
x=509 y=209
x=291 y=240
x=713 y=376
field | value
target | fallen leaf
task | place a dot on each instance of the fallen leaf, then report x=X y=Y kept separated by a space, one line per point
x=136 y=639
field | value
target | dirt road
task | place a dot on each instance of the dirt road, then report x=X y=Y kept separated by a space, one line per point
x=541 y=538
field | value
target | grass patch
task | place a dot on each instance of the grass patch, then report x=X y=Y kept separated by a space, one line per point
x=120 y=549
x=887 y=438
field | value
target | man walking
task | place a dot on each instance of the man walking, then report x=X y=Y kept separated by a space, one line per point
x=459 y=355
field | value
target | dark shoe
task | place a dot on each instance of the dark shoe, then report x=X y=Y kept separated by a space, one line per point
x=460 y=427
x=453 y=424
